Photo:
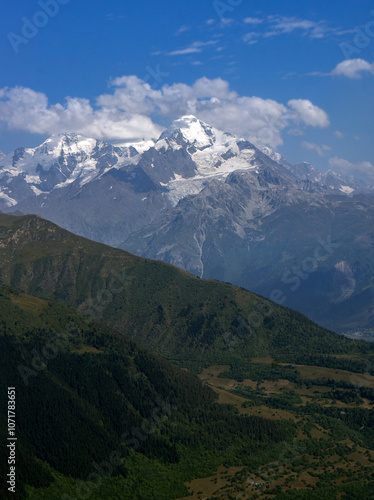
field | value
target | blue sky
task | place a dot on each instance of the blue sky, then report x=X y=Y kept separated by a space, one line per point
x=274 y=72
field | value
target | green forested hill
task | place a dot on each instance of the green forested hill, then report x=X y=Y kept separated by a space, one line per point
x=165 y=309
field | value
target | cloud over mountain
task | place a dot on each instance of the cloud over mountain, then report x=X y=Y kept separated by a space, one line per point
x=363 y=169
x=132 y=110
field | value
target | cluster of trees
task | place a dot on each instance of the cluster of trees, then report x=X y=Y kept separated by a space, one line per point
x=261 y=372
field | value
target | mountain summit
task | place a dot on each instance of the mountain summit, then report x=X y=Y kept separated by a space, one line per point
x=193 y=130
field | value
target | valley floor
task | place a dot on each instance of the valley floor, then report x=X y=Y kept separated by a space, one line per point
x=322 y=462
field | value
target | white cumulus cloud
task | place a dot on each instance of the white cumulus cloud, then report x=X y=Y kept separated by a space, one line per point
x=353 y=68
x=306 y=112
x=131 y=109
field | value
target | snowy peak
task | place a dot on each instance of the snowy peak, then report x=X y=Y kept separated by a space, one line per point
x=278 y=158
x=190 y=130
x=64 y=144
x=57 y=148
x=58 y=162
x=71 y=155
x=208 y=155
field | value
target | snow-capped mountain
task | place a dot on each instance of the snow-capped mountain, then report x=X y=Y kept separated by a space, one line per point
x=187 y=156
x=60 y=161
x=63 y=178
x=213 y=204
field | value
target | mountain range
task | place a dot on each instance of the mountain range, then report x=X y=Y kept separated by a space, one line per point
x=214 y=205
